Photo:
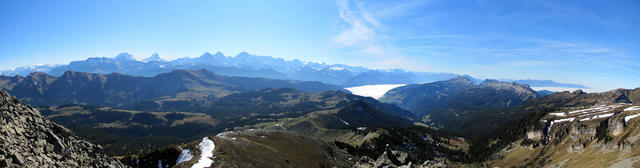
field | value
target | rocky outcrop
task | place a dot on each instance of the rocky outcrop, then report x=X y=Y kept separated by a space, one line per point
x=30 y=140
x=585 y=136
x=535 y=135
x=616 y=125
x=396 y=158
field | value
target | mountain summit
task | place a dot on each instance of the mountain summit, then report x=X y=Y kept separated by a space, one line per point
x=248 y=65
x=125 y=57
x=152 y=58
x=458 y=103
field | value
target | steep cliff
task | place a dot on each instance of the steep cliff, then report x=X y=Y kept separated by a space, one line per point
x=595 y=136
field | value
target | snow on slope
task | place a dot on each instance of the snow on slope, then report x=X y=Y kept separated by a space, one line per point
x=343 y=121
x=627 y=118
x=375 y=91
x=206 y=148
x=185 y=155
x=632 y=108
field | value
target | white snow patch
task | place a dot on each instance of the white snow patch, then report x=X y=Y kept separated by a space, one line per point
x=558 y=114
x=604 y=115
x=343 y=121
x=206 y=148
x=549 y=131
x=224 y=134
x=632 y=108
x=184 y=156
x=375 y=91
x=627 y=118
x=336 y=68
x=578 y=111
x=564 y=120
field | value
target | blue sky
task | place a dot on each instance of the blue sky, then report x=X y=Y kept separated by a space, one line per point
x=594 y=43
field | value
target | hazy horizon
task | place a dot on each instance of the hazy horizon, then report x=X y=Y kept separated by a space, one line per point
x=587 y=43
x=320 y=83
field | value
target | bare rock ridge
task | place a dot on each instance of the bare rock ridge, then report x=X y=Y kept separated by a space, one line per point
x=28 y=139
x=396 y=158
x=595 y=122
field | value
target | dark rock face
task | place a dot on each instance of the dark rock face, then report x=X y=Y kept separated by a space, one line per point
x=622 y=99
x=28 y=139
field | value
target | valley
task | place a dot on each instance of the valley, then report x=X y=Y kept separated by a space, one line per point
x=319 y=84
x=419 y=125
x=162 y=120
x=170 y=119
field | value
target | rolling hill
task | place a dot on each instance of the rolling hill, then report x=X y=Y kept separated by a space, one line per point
x=118 y=90
x=460 y=105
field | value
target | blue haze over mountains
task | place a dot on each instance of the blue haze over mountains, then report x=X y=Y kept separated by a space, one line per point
x=248 y=65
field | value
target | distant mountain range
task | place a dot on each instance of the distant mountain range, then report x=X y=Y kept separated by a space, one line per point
x=247 y=65
x=477 y=121
x=544 y=83
x=118 y=90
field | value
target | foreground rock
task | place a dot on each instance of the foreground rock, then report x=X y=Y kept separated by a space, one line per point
x=393 y=159
x=30 y=140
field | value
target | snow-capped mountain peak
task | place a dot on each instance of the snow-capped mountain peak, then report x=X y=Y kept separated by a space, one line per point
x=153 y=57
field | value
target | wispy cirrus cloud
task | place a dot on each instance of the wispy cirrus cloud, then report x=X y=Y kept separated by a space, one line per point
x=542 y=39
x=361 y=29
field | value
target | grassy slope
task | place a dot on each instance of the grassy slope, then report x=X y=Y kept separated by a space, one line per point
x=123 y=132
x=259 y=148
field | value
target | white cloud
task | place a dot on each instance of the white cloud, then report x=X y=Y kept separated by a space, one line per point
x=370 y=19
x=375 y=91
x=375 y=50
x=361 y=31
x=357 y=34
